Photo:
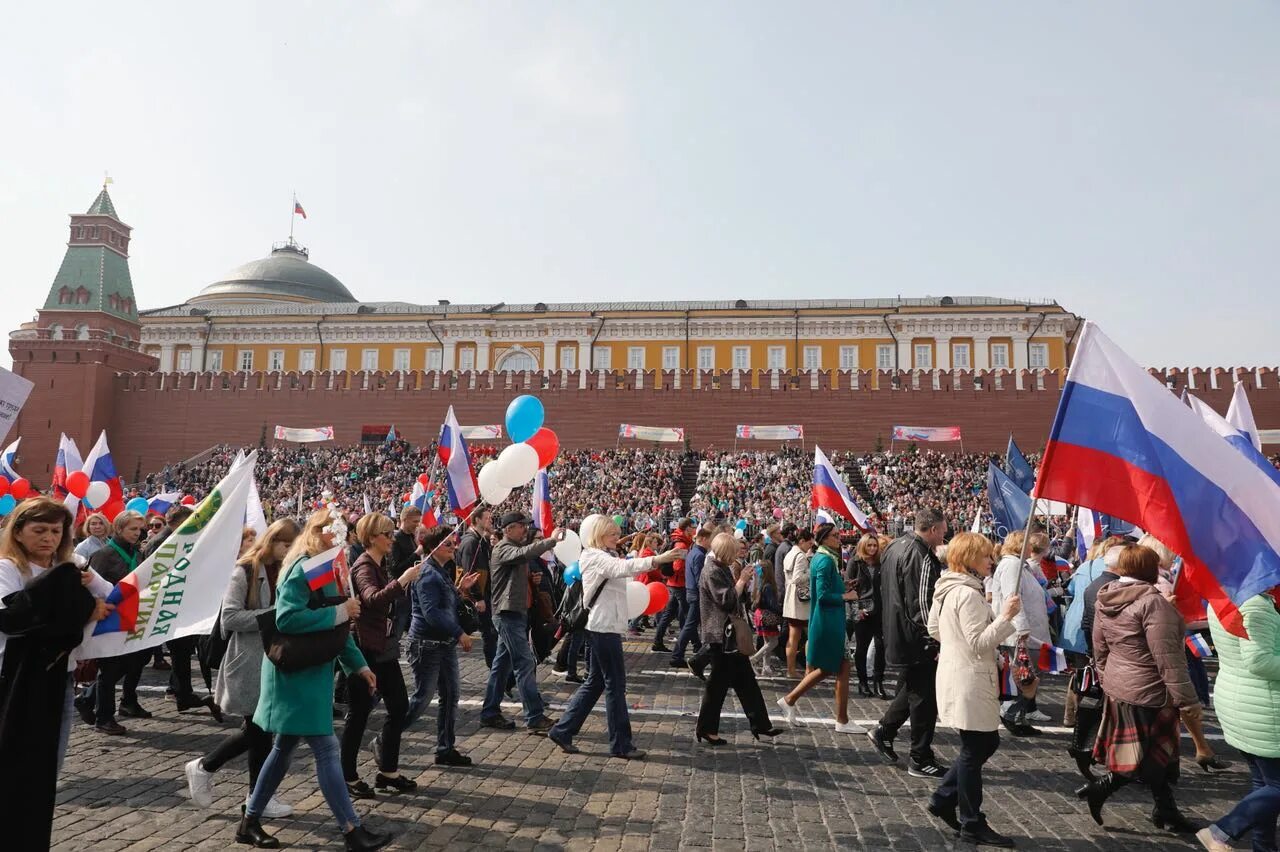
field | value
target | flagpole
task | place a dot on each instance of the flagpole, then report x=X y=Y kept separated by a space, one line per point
x=293 y=215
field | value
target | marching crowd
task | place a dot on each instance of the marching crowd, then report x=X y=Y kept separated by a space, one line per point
x=946 y=627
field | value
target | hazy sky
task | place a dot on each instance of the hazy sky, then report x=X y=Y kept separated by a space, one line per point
x=1122 y=158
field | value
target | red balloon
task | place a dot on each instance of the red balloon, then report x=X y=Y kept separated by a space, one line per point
x=188 y=500
x=547 y=445
x=77 y=483
x=4 y=486
x=20 y=489
x=405 y=497
x=658 y=597
x=424 y=481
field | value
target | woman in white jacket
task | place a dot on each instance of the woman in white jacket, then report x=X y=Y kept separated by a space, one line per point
x=1015 y=577
x=968 y=691
x=604 y=579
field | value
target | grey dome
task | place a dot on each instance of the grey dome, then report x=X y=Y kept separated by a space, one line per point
x=285 y=274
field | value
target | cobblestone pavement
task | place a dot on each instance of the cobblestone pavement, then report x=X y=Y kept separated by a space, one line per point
x=813 y=789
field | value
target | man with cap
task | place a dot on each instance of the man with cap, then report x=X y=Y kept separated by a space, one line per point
x=510 y=579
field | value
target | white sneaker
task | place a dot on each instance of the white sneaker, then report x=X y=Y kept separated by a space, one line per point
x=275 y=808
x=1213 y=844
x=199 y=783
x=1037 y=716
x=789 y=712
x=849 y=728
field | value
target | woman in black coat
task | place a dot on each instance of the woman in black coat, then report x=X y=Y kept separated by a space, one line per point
x=863 y=574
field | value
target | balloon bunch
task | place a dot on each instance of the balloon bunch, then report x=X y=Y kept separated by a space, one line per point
x=535 y=447
x=14 y=492
x=95 y=494
x=646 y=599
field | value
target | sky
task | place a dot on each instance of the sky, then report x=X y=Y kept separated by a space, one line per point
x=1123 y=159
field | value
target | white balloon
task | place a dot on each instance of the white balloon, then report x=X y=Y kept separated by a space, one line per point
x=570 y=549
x=517 y=465
x=637 y=599
x=97 y=495
x=492 y=491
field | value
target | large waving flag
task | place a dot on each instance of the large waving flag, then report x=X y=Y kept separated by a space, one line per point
x=425 y=501
x=100 y=468
x=162 y=503
x=1124 y=445
x=8 y=460
x=460 y=475
x=540 y=508
x=1018 y=468
x=1240 y=416
x=254 y=516
x=830 y=492
x=1010 y=505
x=1088 y=530
x=68 y=461
x=177 y=590
x=1235 y=438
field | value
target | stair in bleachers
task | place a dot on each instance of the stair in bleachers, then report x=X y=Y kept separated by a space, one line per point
x=861 y=490
x=688 y=481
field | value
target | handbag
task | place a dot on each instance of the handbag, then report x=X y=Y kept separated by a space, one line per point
x=737 y=636
x=468 y=618
x=291 y=652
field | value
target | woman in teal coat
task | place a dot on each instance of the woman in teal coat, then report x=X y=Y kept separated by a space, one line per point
x=826 y=644
x=1247 y=700
x=298 y=705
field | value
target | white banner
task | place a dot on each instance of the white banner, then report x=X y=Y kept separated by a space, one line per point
x=177 y=590
x=771 y=433
x=1269 y=436
x=482 y=433
x=671 y=434
x=14 y=391
x=304 y=436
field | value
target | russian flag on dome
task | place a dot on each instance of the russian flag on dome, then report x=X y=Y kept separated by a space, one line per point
x=100 y=468
x=1124 y=445
x=67 y=461
x=8 y=460
x=829 y=492
x=322 y=569
x=424 y=500
x=460 y=476
x=1198 y=647
x=1240 y=416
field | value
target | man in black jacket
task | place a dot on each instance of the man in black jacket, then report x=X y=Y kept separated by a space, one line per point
x=472 y=557
x=909 y=569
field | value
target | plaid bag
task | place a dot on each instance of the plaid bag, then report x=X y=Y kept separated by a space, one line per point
x=1023 y=671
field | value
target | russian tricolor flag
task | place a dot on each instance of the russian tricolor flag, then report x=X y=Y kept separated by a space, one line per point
x=100 y=468
x=67 y=461
x=460 y=476
x=540 y=510
x=1233 y=436
x=425 y=501
x=124 y=617
x=1124 y=445
x=1053 y=660
x=1198 y=647
x=8 y=459
x=322 y=569
x=822 y=516
x=161 y=503
x=1240 y=416
x=1088 y=530
x=829 y=492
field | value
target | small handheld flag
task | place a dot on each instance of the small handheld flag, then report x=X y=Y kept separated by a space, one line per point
x=321 y=569
x=1198 y=646
x=1053 y=660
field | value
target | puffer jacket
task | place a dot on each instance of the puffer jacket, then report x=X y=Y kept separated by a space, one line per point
x=1247 y=693
x=968 y=687
x=1137 y=647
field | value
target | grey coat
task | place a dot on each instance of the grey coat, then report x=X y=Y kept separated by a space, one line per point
x=240 y=677
x=509 y=573
x=717 y=600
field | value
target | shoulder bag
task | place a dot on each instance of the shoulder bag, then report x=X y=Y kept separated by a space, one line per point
x=291 y=652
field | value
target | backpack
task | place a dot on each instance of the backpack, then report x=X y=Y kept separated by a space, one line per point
x=573 y=615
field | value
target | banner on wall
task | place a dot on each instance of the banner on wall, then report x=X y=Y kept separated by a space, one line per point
x=304 y=436
x=771 y=433
x=482 y=433
x=926 y=433
x=651 y=433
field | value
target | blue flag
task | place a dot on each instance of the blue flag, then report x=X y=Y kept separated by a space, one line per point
x=1018 y=468
x=1010 y=505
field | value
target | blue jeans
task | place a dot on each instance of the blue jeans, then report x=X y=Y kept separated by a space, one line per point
x=961 y=787
x=435 y=672
x=675 y=610
x=688 y=627
x=1199 y=676
x=607 y=674
x=1259 y=809
x=328 y=772
x=513 y=653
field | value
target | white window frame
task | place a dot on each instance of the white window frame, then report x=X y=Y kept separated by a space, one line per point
x=467 y=358
x=999 y=356
x=601 y=358
x=244 y=360
x=306 y=360
x=741 y=358
x=1038 y=356
x=635 y=357
x=215 y=361
x=812 y=357
x=369 y=360
x=275 y=360
x=961 y=356
x=884 y=356
x=923 y=359
x=568 y=357
x=400 y=360
x=776 y=358
x=184 y=360
x=848 y=358
x=337 y=359
x=671 y=357
x=706 y=357
x=435 y=358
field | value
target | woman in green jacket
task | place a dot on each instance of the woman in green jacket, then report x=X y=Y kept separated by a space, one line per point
x=826 y=643
x=1247 y=700
x=298 y=705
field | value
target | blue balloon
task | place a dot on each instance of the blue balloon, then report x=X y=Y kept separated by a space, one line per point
x=6 y=504
x=138 y=504
x=524 y=417
x=572 y=574
x=741 y=524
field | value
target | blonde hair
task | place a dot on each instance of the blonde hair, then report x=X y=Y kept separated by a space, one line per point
x=724 y=548
x=1039 y=544
x=122 y=520
x=1013 y=543
x=371 y=526
x=594 y=528
x=1162 y=550
x=966 y=549
x=311 y=540
x=861 y=550
x=106 y=525
x=36 y=510
x=260 y=556
x=1102 y=546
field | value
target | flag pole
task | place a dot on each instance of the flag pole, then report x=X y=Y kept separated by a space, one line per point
x=293 y=214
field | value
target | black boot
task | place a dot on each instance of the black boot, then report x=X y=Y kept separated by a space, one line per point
x=360 y=839
x=864 y=691
x=1097 y=792
x=879 y=690
x=1167 y=816
x=250 y=833
x=1084 y=762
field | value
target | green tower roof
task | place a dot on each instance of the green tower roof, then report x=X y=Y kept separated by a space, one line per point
x=102 y=206
x=94 y=275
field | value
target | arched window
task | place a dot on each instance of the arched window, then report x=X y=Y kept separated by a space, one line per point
x=82 y=332
x=55 y=331
x=516 y=361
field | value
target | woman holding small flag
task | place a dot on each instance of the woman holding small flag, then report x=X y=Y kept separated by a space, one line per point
x=297 y=705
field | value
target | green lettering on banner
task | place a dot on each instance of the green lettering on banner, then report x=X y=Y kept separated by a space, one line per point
x=161 y=631
x=171 y=599
x=165 y=615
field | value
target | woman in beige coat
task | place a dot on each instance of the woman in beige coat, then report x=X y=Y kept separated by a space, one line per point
x=968 y=685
